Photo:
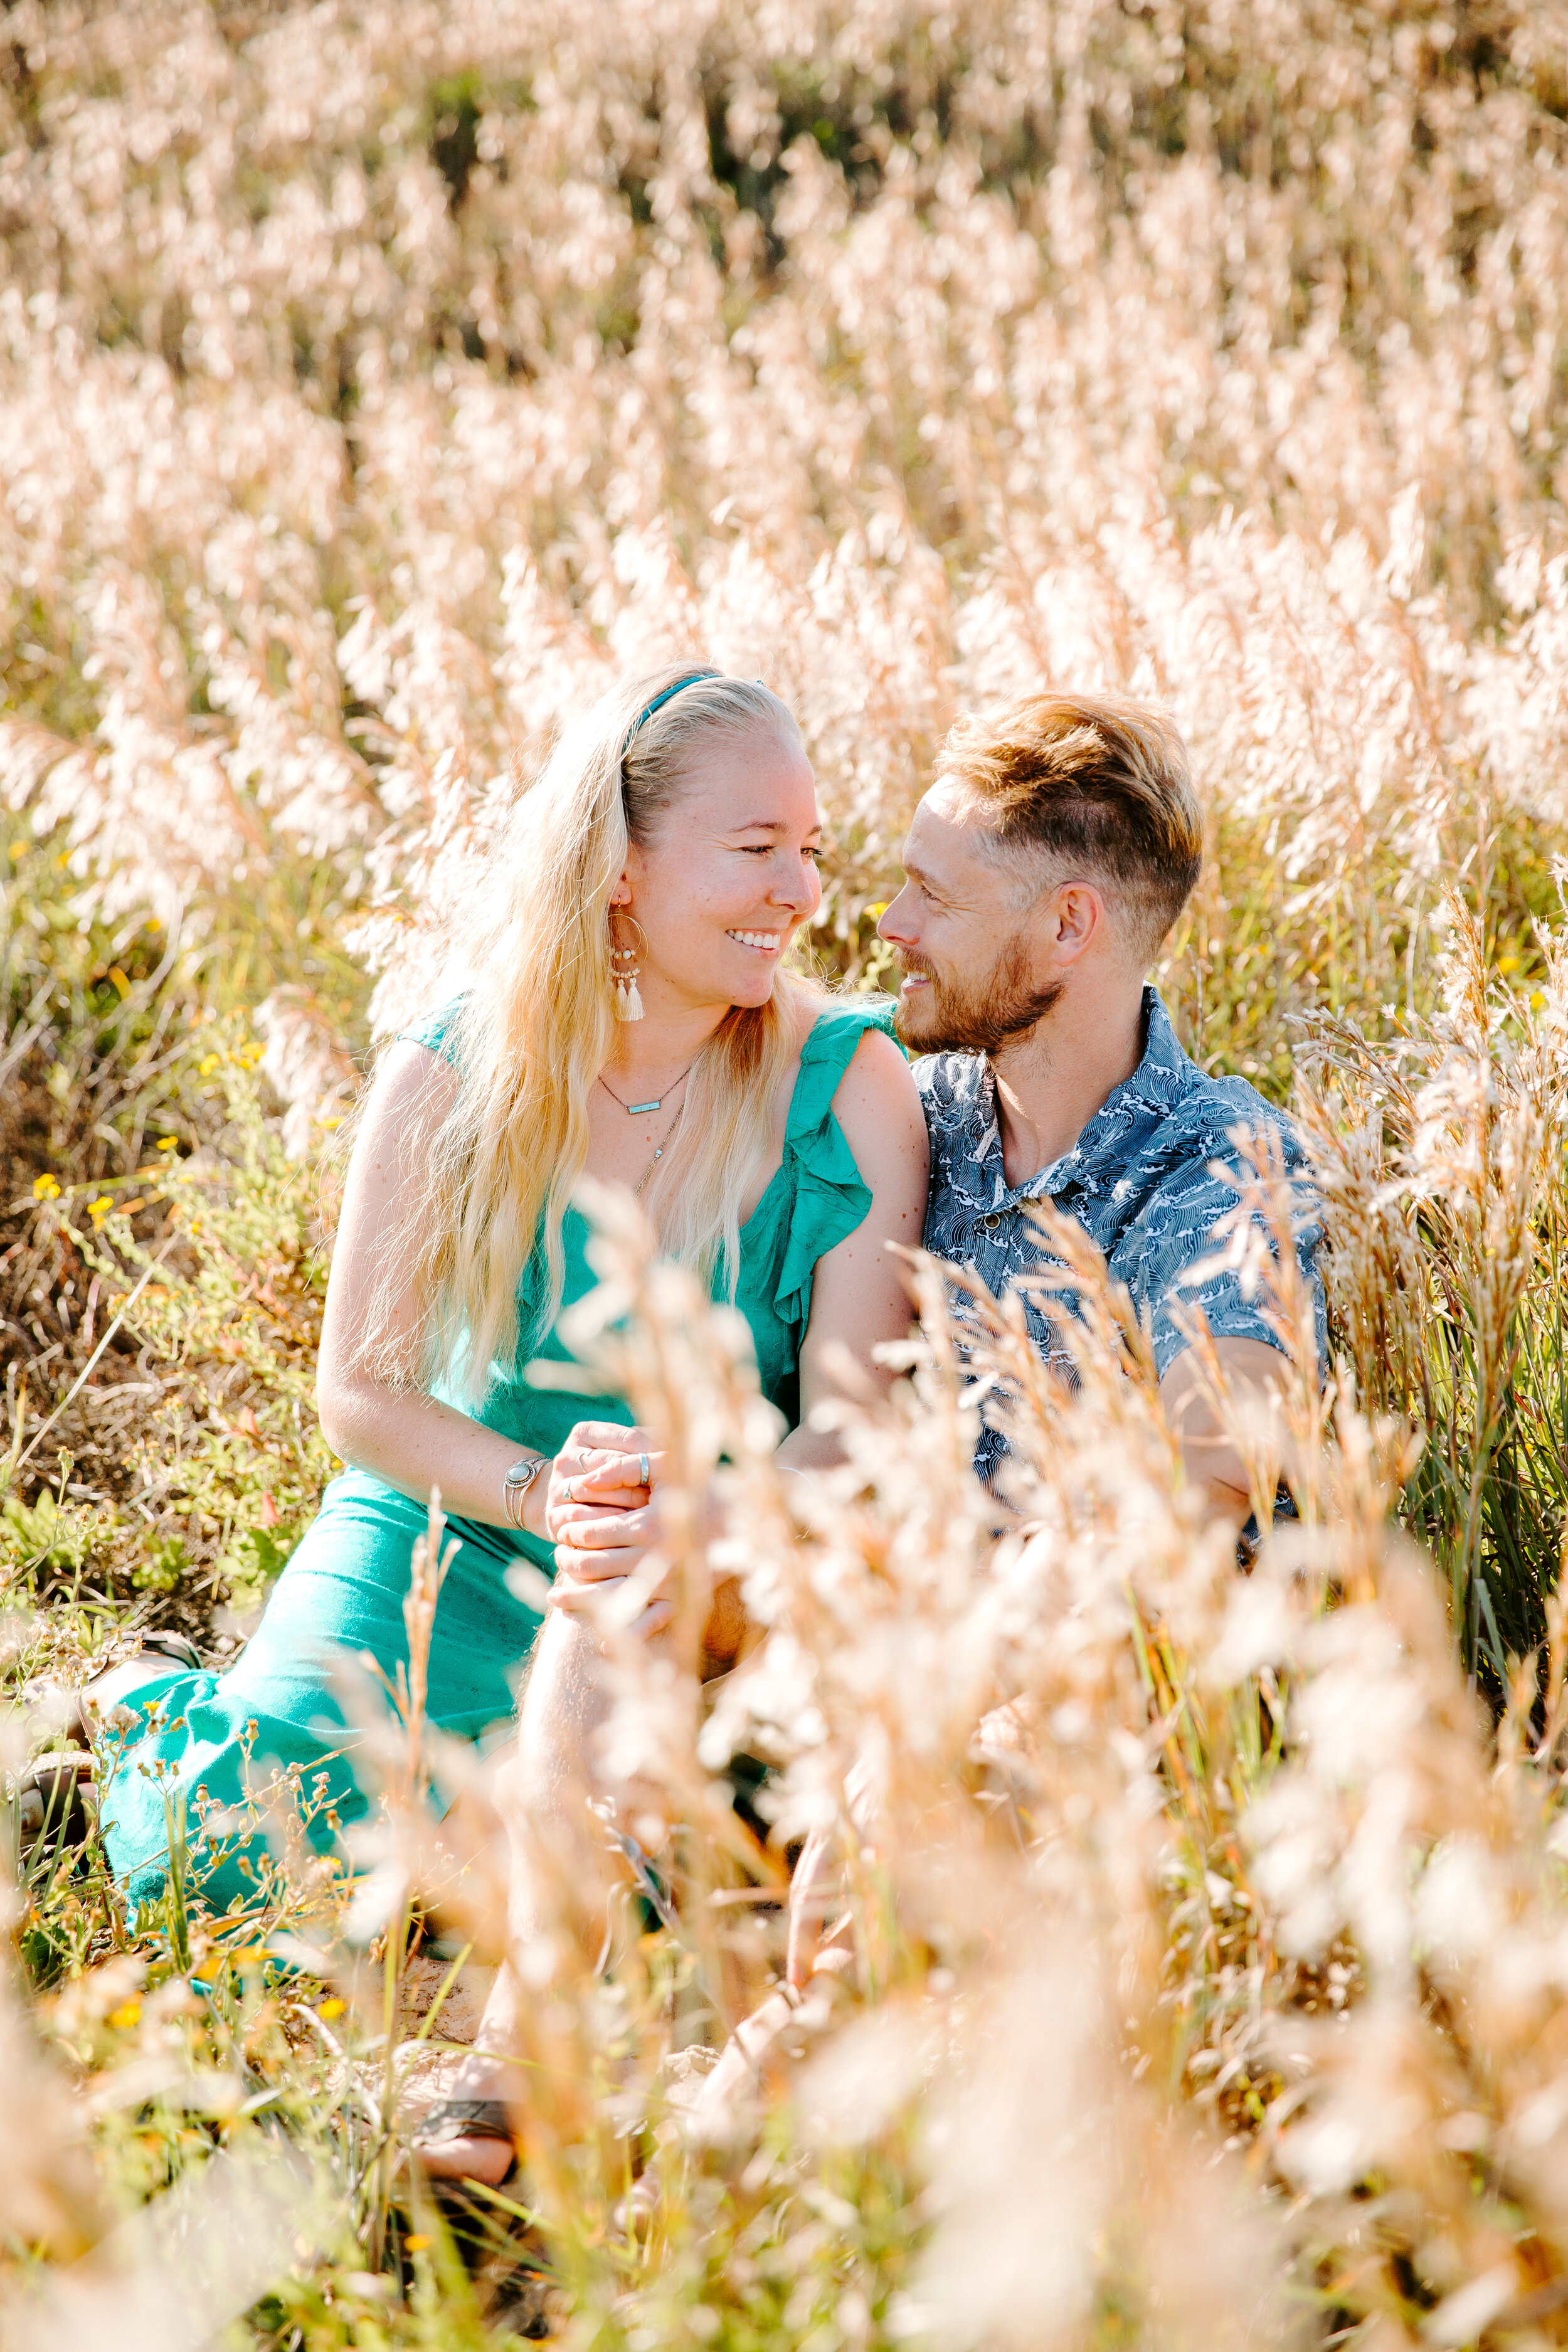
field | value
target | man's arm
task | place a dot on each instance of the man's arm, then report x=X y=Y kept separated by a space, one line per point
x=1257 y=1374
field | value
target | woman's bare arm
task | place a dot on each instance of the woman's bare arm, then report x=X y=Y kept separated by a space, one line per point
x=859 y=1299
x=406 y=1437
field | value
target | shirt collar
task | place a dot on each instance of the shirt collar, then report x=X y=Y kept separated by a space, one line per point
x=1162 y=1077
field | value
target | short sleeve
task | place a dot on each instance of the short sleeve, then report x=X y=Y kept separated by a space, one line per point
x=1180 y=1232
x=830 y=1195
x=438 y=1031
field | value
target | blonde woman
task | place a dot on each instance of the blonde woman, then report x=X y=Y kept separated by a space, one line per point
x=631 y=1016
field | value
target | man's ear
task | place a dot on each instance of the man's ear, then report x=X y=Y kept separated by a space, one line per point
x=1075 y=914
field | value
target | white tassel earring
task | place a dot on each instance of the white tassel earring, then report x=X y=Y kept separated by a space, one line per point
x=624 y=970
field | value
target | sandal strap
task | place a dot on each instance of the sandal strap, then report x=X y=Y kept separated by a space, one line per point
x=69 y=1767
x=465 y=2119
x=56 y=1797
x=173 y=1646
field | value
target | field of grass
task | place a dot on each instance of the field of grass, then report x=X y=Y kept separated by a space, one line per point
x=375 y=381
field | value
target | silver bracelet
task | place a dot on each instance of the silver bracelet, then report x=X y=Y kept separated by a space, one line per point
x=516 y=1484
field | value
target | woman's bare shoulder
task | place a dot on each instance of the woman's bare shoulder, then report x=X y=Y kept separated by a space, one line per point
x=877 y=1104
x=413 y=1085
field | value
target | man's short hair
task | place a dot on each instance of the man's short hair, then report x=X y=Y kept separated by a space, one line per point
x=1091 y=781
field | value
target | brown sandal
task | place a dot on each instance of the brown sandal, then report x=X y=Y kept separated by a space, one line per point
x=57 y=1802
x=469 y=2119
x=466 y=2119
x=483 y=2218
x=183 y=1656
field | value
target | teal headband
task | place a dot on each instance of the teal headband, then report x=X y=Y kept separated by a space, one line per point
x=692 y=677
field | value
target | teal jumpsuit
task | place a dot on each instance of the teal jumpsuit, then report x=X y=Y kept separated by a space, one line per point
x=209 y=1735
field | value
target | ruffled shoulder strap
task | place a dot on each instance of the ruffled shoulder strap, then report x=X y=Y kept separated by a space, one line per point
x=830 y=1196
x=437 y=1030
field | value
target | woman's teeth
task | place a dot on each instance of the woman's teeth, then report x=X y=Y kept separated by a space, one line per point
x=757 y=939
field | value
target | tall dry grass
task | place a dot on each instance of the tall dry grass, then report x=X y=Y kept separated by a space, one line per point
x=373 y=381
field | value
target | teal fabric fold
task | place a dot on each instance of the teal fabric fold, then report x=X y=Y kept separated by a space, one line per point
x=830 y=1196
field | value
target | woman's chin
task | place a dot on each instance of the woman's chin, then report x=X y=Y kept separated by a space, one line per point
x=748 y=989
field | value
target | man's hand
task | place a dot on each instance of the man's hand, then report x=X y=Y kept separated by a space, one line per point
x=1257 y=1374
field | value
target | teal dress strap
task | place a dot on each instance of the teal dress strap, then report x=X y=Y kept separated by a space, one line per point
x=831 y=1196
x=439 y=1030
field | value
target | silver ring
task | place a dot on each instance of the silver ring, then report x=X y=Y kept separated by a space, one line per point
x=643 y=1465
x=571 y=1490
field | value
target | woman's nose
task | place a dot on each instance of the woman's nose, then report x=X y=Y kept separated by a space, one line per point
x=795 y=886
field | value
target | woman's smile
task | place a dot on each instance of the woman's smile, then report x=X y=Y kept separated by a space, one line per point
x=765 y=942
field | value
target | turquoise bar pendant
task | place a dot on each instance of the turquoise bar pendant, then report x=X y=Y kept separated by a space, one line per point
x=634 y=1108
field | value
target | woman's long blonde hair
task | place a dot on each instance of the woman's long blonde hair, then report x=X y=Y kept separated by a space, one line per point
x=493 y=1177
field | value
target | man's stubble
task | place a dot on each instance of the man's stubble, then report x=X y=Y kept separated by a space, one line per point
x=977 y=1017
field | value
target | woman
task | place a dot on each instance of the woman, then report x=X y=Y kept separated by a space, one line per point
x=630 y=1017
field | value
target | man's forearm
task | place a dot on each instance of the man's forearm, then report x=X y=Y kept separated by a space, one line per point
x=1217 y=1456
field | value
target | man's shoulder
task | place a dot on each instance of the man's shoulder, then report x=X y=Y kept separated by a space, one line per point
x=951 y=1085
x=1193 y=1101
x=1207 y=1112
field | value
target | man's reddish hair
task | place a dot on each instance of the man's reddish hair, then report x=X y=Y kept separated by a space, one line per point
x=1090 y=782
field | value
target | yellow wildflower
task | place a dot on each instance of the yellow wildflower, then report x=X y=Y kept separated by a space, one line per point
x=98 y=1210
x=46 y=1188
x=128 y=2014
x=332 y=2008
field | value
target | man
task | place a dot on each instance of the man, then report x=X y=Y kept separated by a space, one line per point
x=1045 y=867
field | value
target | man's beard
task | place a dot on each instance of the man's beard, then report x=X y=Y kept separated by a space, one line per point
x=976 y=1016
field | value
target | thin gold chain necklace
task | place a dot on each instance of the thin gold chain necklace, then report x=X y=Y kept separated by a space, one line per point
x=634 y=1109
x=659 y=1153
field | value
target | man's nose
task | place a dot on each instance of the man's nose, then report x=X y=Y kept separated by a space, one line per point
x=894 y=924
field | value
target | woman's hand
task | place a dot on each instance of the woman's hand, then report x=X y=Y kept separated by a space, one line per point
x=595 y=1544
x=599 y=1469
x=602 y=1517
x=605 y=1517
x=604 y=1548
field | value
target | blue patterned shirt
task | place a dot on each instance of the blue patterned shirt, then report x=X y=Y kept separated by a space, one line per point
x=1139 y=1180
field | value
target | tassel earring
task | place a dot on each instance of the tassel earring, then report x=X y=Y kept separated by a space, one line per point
x=624 y=970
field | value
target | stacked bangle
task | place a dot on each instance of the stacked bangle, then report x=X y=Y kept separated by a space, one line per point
x=515 y=1487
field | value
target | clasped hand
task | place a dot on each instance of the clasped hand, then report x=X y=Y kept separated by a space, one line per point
x=603 y=1517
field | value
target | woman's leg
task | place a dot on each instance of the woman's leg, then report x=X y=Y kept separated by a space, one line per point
x=559 y=1881
x=561 y=1871
x=215 y=1736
